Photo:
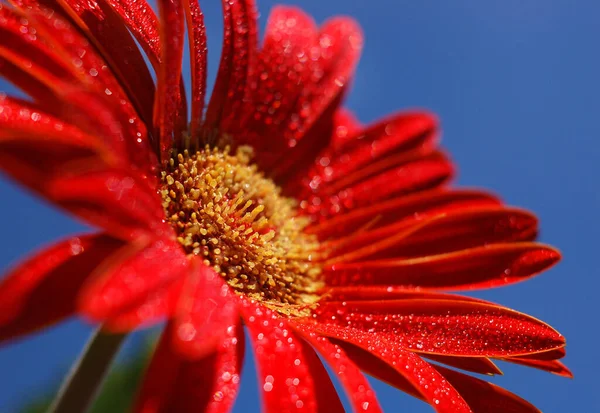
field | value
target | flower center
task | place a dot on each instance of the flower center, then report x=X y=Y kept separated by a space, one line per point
x=224 y=210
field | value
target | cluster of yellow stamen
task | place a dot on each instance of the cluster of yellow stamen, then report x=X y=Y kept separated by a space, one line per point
x=227 y=212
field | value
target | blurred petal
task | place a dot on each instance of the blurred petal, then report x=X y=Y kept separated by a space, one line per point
x=143 y=269
x=42 y=289
x=290 y=373
x=173 y=384
x=205 y=309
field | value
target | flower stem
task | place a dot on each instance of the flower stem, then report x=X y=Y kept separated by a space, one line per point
x=80 y=387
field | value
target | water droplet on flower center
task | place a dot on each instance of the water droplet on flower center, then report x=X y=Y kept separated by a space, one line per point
x=224 y=210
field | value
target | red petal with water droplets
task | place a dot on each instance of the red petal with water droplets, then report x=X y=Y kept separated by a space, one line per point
x=95 y=76
x=335 y=55
x=417 y=375
x=451 y=231
x=140 y=19
x=443 y=327
x=237 y=58
x=168 y=100
x=552 y=366
x=401 y=133
x=283 y=67
x=42 y=290
x=112 y=199
x=104 y=28
x=346 y=126
x=554 y=354
x=205 y=308
x=382 y=214
x=158 y=305
x=484 y=397
x=475 y=268
x=292 y=377
x=355 y=383
x=143 y=269
x=173 y=384
x=198 y=53
x=415 y=173
x=481 y=365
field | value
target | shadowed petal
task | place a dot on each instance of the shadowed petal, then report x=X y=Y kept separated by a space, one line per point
x=381 y=214
x=552 y=366
x=143 y=269
x=206 y=307
x=42 y=290
x=291 y=375
x=173 y=384
x=440 y=326
x=356 y=385
x=484 y=397
x=481 y=365
x=482 y=267
x=453 y=230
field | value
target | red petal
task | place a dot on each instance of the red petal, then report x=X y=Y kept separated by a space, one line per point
x=206 y=308
x=338 y=50
x=175 y=385
x=443 y=327
x=481 y=365
x=482 y=267
x=415 y=173
x=197 y=42
x=290 y=373
x=94 y=76
x=140 y=19
x=381 y=214
x=42 y=290
x=418 y=376
x=168 y=99
x=552 y=366
x=142 y=269
x=237 y=56
x=401 y=133
x=283 y=67
x=111 y=199
x=104 y=28
x=156 y=307
x=554 y=354
x=484 y=397
x=355 y=383
x=450 y=231
x=371 y=293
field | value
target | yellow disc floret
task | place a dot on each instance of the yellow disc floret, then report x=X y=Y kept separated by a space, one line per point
x=227 y=212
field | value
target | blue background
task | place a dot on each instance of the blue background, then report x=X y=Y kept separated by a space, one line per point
x=516 y=86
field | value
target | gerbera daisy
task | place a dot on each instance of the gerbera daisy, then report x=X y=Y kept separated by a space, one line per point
x=272 y=209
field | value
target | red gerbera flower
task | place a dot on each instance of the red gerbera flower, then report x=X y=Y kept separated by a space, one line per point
x=272 y=208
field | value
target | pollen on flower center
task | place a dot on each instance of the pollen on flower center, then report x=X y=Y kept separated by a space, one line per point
x=227 y=212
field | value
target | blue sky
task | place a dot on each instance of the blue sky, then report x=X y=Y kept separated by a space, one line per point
x=516 y=86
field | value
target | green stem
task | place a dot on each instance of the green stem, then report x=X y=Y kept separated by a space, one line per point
x=81 y=385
